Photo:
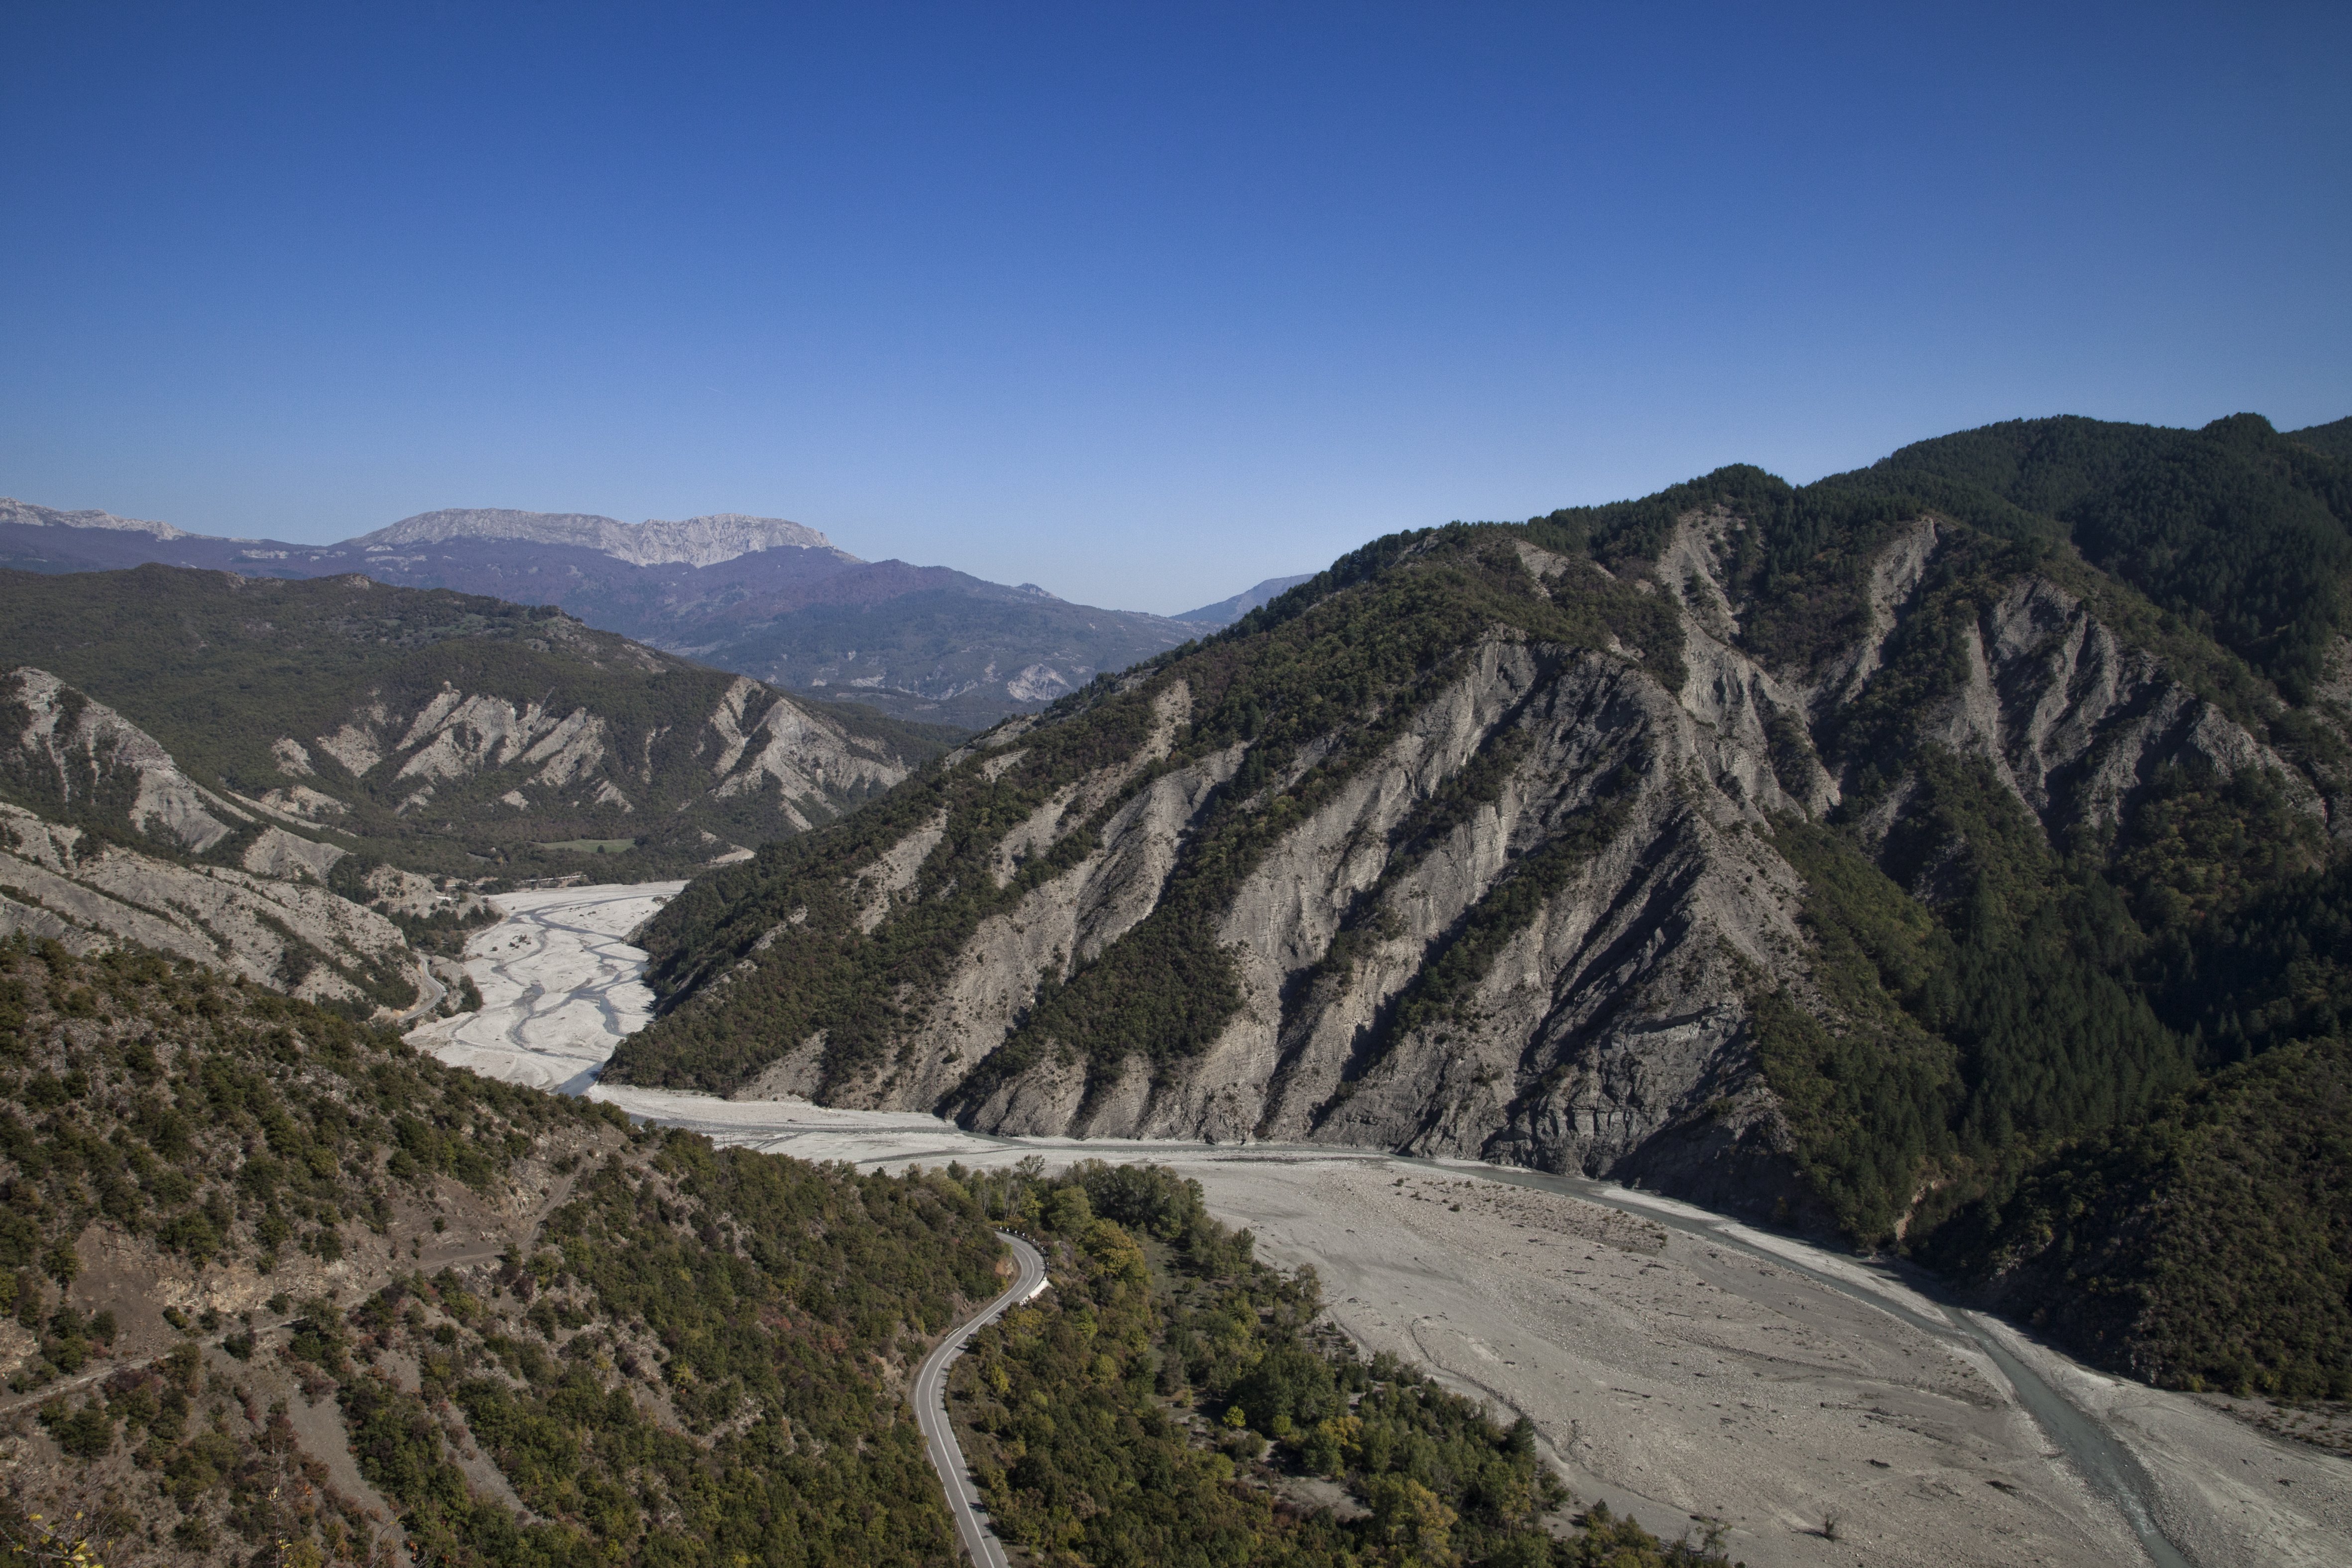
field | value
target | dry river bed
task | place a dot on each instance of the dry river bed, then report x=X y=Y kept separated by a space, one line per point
x=1677 y=1364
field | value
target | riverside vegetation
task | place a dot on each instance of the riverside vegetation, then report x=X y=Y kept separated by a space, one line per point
x=1161 y=1404
x=1976 y=818
x=244 y=1328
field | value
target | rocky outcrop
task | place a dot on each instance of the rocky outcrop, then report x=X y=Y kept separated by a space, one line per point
x=421 y=727
x=86 y=757
x=755 y=742
x=2074 y=723
x=217 y=885
x=283 y=931
x=696 y=541
x=767 y=742
x=14 y=514
x=278 y=853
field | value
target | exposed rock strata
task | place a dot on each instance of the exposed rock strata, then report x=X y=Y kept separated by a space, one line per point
x=755 y=742
x=295 y=936
x=82 y=752
x=1610 y=1034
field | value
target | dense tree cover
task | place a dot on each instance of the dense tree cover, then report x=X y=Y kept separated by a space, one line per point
x=2244 y=532
x=1306 y=690
x=2209 y=1246
x=1968 y=1041
x=697 y=1362
x=2334 y=439
x=217 y=668
x=1151 y=1407
x=760 y=1297
x=2065 y=981
x=1992 y=995
x=220 y=1119
x=2275 y=968
x=1998 y=1017
x=1797 y=561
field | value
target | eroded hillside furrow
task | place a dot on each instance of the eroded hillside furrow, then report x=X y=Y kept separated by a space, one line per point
x=1822 y=856
x=284 y=725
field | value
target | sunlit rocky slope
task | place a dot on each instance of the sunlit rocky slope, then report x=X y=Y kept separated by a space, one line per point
x=1819 y=853
x=433 y=730
x=310 y=783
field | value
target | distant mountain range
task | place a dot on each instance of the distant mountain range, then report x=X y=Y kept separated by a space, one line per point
x=759 y=595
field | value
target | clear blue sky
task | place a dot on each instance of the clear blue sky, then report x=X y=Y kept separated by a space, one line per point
x=1142 y=304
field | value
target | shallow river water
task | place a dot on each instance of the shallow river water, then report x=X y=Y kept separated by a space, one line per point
x=1826 y=1409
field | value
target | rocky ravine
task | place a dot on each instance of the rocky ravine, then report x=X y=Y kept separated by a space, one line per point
x=1610 y=1031
x=115 y=854
x=1608 y=854
x=105 y=837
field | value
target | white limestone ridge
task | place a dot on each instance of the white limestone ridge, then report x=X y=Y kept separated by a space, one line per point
x=694 y=541
x=25 y=514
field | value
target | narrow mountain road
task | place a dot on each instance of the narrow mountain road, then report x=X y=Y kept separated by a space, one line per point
x=428 y=981
x=932 y=1409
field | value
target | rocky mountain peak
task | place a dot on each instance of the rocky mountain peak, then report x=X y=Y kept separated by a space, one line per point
x=26 y=515
x=696 y=541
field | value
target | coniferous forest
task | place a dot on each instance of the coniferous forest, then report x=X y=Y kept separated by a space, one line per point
x=697 y=1357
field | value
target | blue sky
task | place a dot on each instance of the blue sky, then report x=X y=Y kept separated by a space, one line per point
x=1141 y=303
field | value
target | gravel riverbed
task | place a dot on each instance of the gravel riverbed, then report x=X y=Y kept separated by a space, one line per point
x=1675 y=1364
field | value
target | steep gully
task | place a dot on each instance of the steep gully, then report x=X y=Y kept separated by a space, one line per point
x=561 y=986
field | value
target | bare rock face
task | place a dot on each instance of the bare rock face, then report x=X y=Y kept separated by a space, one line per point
x=1530 y=925
x=754 y=745
x=90 y=758
x=696 y=541
x=260 y=908
x=286 y=931
x=421 y=727
x=23 y=514
x=767 y=742
x=278 y=853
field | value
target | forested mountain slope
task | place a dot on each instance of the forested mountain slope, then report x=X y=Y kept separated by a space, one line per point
x=430 y=729
x=278 y=1284
x=1838 y=853
x=105 y=840
x=279 y=1288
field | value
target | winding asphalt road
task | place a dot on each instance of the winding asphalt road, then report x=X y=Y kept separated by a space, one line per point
x=932 y=1409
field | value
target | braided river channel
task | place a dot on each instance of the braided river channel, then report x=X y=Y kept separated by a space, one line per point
x=1678 y=1366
